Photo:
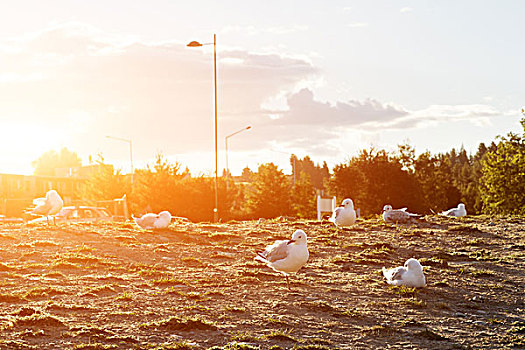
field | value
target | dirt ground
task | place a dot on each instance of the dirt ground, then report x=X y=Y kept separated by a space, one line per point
x=197 y=286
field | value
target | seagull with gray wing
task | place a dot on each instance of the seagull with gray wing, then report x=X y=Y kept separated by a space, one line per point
x=344 y=215
x=286 y=256
x=50 y=205
x=457 y=212
x=151 y=221
x=410 y=275
x=397 y=215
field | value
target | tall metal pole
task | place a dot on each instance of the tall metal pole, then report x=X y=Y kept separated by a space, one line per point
x=226 y=142
x=131 y=160
x=216 y=209
x=227 y=169
x=130 y=152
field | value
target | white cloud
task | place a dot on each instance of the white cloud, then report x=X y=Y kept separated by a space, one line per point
x=303 y=109
x=252 y=30
x=357 y=24
x=160 y=95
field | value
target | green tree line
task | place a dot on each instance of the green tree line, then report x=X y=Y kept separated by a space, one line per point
x=491 y=181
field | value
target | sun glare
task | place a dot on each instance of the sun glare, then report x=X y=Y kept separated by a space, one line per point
x=27 y=142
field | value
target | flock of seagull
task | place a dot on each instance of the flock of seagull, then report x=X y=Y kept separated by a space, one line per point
x=287 y=256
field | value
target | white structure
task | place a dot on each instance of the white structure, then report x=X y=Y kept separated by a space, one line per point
x=325 y=205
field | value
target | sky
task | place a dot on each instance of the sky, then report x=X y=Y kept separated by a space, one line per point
x=319 y=78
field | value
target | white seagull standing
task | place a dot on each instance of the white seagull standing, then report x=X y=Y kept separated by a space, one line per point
x=410 y=275
x=50 y=205
x=397 y=215
x=286 y=256
x=457 y=212
x=344 y=215
x=153 y=221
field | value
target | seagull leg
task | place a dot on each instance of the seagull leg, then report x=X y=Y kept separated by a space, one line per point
x=47 y=219
x=287 y=282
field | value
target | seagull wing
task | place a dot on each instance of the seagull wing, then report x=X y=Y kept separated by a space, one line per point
x=450 y=212
x=147 y=221
x=162 y=222
x=39 y=201
x=276 y=251
x=398 y=273
x=335 y=213
x=396 y=216
x=394 y=274
x=42 y=206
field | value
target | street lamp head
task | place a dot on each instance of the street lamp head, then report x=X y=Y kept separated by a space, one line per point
x=248 y=127
x=194 y=44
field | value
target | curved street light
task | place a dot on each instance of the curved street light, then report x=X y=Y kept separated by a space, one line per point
x=198 y=44
x=226 y=142
x=130 y=151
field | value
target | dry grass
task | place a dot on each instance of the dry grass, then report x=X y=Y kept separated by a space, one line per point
x=196 y=286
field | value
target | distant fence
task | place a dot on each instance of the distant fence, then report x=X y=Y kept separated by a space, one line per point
x=117 y=207
x=16 y=207
x=325 y=205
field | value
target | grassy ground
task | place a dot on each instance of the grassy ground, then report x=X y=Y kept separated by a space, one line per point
x=196 y=286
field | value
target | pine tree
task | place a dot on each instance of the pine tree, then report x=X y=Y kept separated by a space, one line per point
x=269 y=195
x=303 y=197
x=105 y=183
x=503 y=176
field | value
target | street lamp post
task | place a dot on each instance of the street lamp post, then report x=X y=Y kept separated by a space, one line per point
x=197 y=44
x=226 y=142
x=130 y=151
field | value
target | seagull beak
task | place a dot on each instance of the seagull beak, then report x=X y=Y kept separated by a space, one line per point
x=291 y=241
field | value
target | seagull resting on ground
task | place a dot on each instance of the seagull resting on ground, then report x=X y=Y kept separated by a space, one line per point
x=286 y=256
x=50 y=205
x=152 y=221
x=344 y=215
x=397 y=215
x=410 y=275
x=457 y=212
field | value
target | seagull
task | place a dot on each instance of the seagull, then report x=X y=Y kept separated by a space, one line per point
x=50 y=205
x=286 y=256
x=153 y=221
x=410 y=275
x=457 y=212
x=344 y=215
x=397 y=215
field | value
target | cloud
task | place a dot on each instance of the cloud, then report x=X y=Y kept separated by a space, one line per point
x=372 y=114
x=158 y=94
x=304 y=109
x=357 y=24
x=406 y=9
x=78 y=85
x=253 y=30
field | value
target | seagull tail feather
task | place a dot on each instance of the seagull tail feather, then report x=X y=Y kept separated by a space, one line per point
x=261 y=257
